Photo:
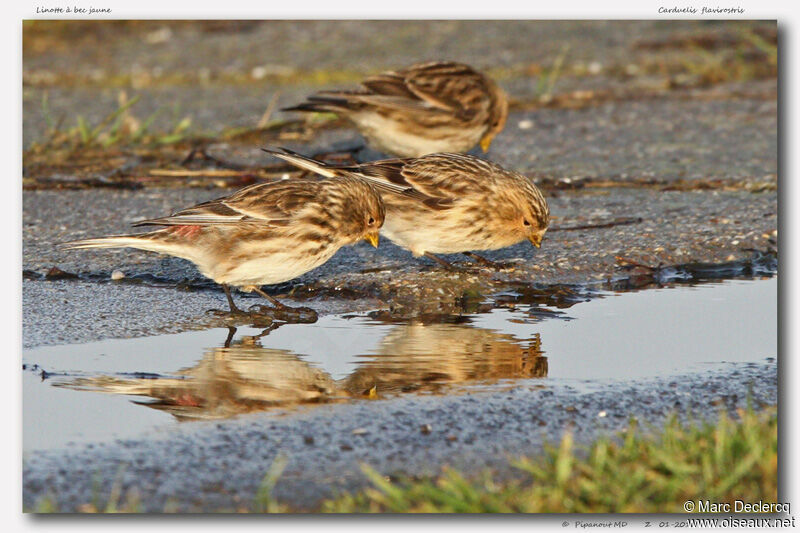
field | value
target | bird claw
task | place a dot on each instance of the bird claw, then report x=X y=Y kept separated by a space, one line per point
x=488 y=263
x=222 y=313
x=298 y=315
x=237 y=316
x=499 y=266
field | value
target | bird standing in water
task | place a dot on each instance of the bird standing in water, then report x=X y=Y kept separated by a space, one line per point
x=263 y=234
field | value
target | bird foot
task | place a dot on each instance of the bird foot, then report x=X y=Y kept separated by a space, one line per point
x=236 y=316
x=222 y=313
x=295 y=315
x=494 y=265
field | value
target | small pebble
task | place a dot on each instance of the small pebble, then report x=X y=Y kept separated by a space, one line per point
x=602 y=414
x=425 y=429
x=258 y=73
x=360 y=431
x=525 y=124
x=117 y=275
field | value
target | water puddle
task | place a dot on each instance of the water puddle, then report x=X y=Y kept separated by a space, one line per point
x=122 y=388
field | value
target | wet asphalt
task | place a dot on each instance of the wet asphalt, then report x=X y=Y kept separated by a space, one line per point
x=710 y=153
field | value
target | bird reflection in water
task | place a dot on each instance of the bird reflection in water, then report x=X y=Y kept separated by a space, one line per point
x=428 y=357
x=244 y=376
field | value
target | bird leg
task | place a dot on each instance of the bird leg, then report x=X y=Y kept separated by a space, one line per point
x=485 y=262
x=284 y=312
x=266 y=331
x=235 y=310
x=231 y=333
x=446 y=264
x=272 y=300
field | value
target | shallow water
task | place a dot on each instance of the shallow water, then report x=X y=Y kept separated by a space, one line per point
x=124 y=387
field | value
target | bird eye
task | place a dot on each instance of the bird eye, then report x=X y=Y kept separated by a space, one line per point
x=371 y=221
x=525 y=221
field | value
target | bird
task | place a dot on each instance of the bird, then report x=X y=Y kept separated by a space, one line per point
x=263 y=234
x=438 y=106
x=446 y=203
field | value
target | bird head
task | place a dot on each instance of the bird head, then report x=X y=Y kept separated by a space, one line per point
x=357 y=209
x=533 y=213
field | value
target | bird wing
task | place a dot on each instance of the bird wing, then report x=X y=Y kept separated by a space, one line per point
x=445 y=87
x=381 y=176
x=443 y=178
x=277 y=202
x=388 y=83
x=273 y=203
x=451 y=87
x=436 y=87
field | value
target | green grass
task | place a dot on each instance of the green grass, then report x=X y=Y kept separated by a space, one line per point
x=638 y=473
x=122 y=128
x=264 y=502
x=119 y=127
x=651 y=471
x=546 y=82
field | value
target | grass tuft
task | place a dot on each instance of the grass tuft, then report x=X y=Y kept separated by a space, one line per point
x=264 y=502
x=641 y=473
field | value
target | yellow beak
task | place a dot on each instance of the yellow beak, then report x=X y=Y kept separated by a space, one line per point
x=372 y=238
x=536 y=240
x=486 y=142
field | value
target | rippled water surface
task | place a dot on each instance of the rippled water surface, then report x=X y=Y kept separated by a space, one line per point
x=122 y=388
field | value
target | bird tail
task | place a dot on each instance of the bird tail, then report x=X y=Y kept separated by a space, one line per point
x=323 y=103
x=304 y=162
x=152 y=242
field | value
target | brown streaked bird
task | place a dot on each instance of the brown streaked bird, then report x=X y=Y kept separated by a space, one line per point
x=263 y=234
x=458 y=202
x=425 y=108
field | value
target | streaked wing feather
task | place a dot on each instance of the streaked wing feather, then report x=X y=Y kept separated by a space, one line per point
x=269 y=203
x=437 y=87
x=437 y=178
x=391 y=102
x=445 y=175
x=273 y=202
x=207 y=213
x=388 y=84
x=449 y=86
x=379 y=174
